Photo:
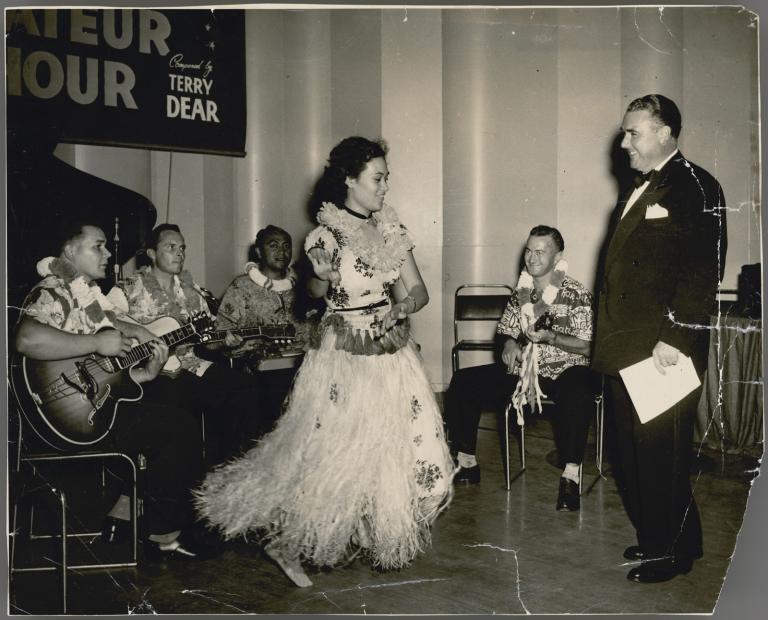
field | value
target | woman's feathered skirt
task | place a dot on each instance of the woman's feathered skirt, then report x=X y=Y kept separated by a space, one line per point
x=358 y=461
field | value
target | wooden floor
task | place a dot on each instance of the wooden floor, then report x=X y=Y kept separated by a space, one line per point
x=493 y=552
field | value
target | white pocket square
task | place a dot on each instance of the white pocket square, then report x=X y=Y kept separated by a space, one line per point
x=655 y=212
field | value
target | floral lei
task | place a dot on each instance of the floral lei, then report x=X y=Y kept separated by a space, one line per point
x=87 y=294
x=386 y=256
x=532 y=306
x=183 y=289
x=278 y=286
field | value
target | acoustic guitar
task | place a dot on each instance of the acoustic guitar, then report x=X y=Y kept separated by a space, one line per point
x=73 y=402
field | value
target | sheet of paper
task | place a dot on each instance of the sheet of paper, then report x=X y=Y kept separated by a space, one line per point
x=653 y=393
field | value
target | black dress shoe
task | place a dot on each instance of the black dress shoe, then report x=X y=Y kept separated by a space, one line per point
x=634 y=552
x=468 y=475
x=568 y=495
x=657 y=571
x=115 y=531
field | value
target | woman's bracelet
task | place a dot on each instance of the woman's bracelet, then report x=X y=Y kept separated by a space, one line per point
x=554 y=339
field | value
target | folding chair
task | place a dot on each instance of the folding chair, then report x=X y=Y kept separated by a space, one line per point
x=27 y=465
x=599 y=429
x=470 y=307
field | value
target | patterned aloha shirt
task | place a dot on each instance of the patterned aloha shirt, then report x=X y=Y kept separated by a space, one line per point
x=146 y=301
x=247 y=304
x=572 y=310
x=53 y=302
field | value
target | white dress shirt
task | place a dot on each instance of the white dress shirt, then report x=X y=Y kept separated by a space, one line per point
x=639 y=190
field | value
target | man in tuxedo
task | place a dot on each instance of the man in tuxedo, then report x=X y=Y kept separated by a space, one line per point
x=664 y=258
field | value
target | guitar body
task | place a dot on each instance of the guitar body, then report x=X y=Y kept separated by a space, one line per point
x=65 y=417
x=73 y=402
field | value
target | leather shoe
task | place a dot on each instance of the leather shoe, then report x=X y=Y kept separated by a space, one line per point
x=468 y=475
x=634 y=552
x=157 y=552
x=657 y=571
x=188 y=546
x=116 y=531
x=568 y=495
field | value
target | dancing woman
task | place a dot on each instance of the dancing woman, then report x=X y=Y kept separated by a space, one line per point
x=358 y=463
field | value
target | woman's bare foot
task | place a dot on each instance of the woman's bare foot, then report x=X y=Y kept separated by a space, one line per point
x=291 y=568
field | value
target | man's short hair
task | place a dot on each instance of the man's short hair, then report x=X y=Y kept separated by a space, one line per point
x=154 y=236
x=270 y=229
x=547 y=231
x=660 y=108
x=70 y=229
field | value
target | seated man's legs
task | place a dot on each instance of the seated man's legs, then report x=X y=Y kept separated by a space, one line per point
x=472 y=391
x=172 y=446
x=274 y=386
x=229 y=401
x=573 y=393
x=234 y=412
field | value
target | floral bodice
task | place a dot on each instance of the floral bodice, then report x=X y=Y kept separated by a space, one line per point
x=368 y=271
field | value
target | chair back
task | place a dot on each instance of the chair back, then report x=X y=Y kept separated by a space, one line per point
x=477 y=309
x=479 y=302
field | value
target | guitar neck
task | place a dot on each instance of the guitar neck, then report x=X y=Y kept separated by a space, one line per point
x=144 y=351
x=248 y=332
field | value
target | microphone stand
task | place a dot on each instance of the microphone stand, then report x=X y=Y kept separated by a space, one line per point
x=117 y=267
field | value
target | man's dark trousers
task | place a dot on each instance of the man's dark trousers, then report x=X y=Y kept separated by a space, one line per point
x=488 y=388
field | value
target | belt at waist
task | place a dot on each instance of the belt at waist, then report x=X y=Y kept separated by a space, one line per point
x=377 y=304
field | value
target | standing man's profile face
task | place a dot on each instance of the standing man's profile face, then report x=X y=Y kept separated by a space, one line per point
x=646 y=141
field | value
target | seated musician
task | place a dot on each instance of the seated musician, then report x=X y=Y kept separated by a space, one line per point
x=66 y=316
x=229 y=400
x=561 y=372
x=266 y=295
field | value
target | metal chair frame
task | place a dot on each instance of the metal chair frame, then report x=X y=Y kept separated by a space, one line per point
x=489 y=309
x=599 y=430
x=32 y=459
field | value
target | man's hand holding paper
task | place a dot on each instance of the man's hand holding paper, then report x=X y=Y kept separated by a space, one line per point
x=657 y=383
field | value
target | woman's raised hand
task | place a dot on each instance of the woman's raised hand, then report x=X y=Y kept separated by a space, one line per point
x=321 y=263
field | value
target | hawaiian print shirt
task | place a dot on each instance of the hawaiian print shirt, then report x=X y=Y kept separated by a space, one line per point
x=147 y=300
x=572 y=311
x=53 y=302
x=247 y=304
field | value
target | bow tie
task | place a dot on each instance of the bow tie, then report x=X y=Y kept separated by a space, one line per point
x=642 y=177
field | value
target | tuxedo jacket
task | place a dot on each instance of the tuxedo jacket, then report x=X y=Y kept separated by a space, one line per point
x=661 y=267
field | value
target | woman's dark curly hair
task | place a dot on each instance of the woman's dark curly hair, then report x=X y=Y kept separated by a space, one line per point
x=347 y=159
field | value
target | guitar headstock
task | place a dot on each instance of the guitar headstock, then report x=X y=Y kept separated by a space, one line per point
x=201 y=322
x=281 y=333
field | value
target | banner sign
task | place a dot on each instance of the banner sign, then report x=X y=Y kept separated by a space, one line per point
x=170 y=79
